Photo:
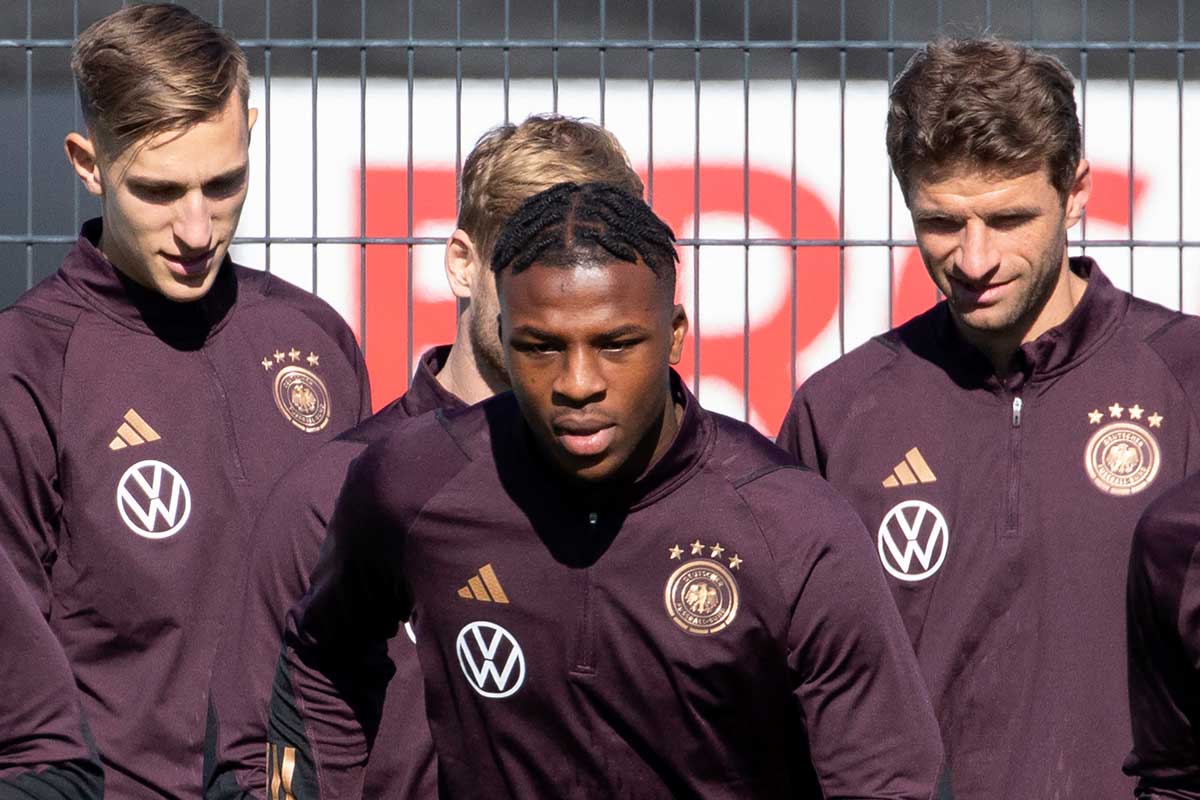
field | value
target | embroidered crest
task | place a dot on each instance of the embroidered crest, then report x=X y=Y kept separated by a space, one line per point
x=701 y=596
x=1123 y=458
x=302 y=397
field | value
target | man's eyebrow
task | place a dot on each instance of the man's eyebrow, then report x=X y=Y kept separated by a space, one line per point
x=533 y=332
x=147 y=182
x=926 y=215
x=1015 y=211
x=624 y=330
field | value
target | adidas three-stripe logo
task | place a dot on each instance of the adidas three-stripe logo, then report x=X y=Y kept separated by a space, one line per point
x=484 y=586
x=133 y=431
x=913 y=469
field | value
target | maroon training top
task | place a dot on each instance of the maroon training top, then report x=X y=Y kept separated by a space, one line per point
x=143 y=436
x=1164 y=646
x=287 y=542
x=693 y=634
x=43 y=752
x=1002 y=513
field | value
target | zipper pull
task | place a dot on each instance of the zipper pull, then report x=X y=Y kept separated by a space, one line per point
x=1017 y=412
x=592 y=517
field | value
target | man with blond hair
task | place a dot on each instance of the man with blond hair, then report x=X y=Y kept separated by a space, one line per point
x=153 y=391
x=1001 y=446
x=508 y=164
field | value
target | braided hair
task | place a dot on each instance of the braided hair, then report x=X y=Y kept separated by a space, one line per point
x=555 y=227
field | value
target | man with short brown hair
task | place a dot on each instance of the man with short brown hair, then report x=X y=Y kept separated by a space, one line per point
x=1000 y=446
x=153 y=391
x=507 y=165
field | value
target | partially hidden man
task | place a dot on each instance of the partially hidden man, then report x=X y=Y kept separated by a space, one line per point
x=1001 y=446
x=613 y=591
x=507 y=165
x=153 y=391
x=45 y=752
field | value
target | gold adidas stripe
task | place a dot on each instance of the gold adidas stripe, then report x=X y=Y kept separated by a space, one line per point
x=493 y=583
x=141 y=426
x=919 y=465
x=478 y=590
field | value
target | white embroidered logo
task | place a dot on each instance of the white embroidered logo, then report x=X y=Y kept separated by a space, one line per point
x=153 y=499
x=900 y=540
x=483 y=645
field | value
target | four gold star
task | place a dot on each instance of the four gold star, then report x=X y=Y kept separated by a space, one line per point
x=735 y=562
x=697 y=548
x=1094 y=416
x=267 y=364
x=1155 y=420
x=294 y=354
x=278 y=356
x=676 y=551
x=1135 y=411
x=1115 y=410
x=313 y=359
x=717 y=550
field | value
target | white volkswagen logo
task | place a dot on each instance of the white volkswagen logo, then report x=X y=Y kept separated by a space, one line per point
x=491 y=659
x=153 y=499
x=913 y=530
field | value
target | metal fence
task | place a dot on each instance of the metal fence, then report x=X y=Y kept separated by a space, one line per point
x=757 y=128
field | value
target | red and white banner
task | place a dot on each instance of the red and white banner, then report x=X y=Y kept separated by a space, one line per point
x=765 y=313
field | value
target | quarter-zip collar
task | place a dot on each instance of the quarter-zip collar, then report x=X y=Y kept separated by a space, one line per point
x=1090 y=323
x=425 y=393
x=128 y=303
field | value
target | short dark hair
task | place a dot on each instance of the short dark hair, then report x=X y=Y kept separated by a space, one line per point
x=154 y=67
x=570 y=220
x=988 y=102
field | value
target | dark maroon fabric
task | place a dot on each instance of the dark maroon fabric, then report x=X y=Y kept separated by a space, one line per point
x=1164 y=646
x=811 y=687
x=287 y=542
x=43 y=750
x=1018 y=621
x=138 y=602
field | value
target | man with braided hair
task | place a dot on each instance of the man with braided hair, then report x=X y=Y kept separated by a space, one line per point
x=612 y=590
x=507 y=165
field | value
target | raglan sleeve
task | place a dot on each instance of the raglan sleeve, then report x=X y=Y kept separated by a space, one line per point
x=31 y=376
x=329 y=688
x=286 y=545
x=1163 y=628
x=870 y=724
x=44 y=750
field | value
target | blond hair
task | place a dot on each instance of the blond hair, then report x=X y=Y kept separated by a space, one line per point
x=151 y=68
x=511 y=163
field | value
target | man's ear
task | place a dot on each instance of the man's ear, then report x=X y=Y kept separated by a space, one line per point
x=81 y=152
x=1080 y=193
x=462 y=264
x=679 y=329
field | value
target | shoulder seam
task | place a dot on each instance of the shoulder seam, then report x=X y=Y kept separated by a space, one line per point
x=759 y=473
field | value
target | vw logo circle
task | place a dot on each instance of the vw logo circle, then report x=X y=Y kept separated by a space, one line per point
x=491 y=659
x=153 y=499
x=913 y=540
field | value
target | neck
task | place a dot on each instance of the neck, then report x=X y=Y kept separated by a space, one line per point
x=465 y=374
x=1000 y=346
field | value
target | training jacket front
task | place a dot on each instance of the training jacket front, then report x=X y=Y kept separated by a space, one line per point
x=1002 y=513
x=287 y=543
x=143 y=436
x=692 y=635
x=1164 y=646
x=44 y=753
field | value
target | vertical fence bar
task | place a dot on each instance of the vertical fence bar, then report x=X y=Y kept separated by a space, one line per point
x=891 y=233
x=458 y=81
x=553 y=56
x=746 y=210
x=75 y=123
x=842 y=179
x=696 y=202
x=1179 y=72
x=1129 y=195
x=603 y=54
x=507 y=64
x=267 y=145
x=362 y=178
x=28 y=146
x=792 y=232
x=411 y=253
x=313 y=72
x=1083 y=110
x=650 y=103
